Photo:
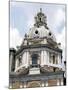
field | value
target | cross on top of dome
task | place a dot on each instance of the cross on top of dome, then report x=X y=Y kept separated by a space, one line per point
x=40 y=9
x=40 y=14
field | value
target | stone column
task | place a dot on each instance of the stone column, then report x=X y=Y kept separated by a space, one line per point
x=10 y=86
x=42 y=58
x=24 y=84
x=16 y=63
x=48 y=57
x=46 y=84
x=45 y=57
x=24 y=59
x=42 y=84
x=58 y=82
x=61 y=82
x=59 y=59
x=10 y=62
x=11 y=59
x=27 y=59
x=21 y=86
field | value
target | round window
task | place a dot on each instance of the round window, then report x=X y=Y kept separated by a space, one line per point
x=49 y=33
x=36 y=32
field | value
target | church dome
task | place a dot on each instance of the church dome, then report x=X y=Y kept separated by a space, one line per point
x=40 y=28
x=40 y=33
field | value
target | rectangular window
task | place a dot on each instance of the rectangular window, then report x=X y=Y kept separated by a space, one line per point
x=34 y=60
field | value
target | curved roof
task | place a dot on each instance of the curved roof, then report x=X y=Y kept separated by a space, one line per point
x=41 y=32
x=40 y=28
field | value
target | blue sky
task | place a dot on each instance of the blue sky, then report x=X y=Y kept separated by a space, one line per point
x=21 y=13
x=22 y=18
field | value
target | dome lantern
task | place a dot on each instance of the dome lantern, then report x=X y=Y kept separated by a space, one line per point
x=40 y=19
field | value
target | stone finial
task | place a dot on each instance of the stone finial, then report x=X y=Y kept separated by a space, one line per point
x=40 y=9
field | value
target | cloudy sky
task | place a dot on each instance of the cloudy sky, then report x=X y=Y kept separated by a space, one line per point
x=22 y=18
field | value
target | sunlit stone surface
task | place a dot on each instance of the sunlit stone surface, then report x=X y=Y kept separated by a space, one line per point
x=38 y=61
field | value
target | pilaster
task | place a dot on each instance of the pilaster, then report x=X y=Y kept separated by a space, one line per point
x=45 y=57
x=58 y=82
x=42 y=58
x=46 y=84
x=24 y=84
x=17 y=63
x=59 y=59
x=42 y=84
x=61 y=82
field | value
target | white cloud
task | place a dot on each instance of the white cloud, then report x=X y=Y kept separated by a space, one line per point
x=58 y=18
x=55 y=24
x=30 y=21
x=15 y=38
x=61 y=38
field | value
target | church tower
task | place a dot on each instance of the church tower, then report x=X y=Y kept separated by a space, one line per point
x=38 y=61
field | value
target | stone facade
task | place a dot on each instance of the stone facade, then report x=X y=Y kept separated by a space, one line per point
x=38 y=61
